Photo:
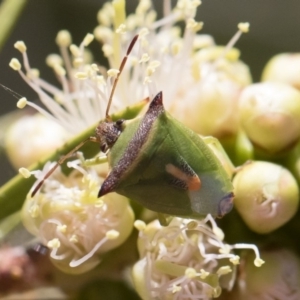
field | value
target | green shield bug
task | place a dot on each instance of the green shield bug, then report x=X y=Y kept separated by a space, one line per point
x=160 y=163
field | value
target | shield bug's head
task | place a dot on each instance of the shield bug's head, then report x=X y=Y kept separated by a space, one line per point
x=107 y=133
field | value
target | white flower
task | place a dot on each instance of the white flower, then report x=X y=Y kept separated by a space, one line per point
x=163 y=60
x=67 y=216
x=185 y=260
x=85 y=87
x=194 y=74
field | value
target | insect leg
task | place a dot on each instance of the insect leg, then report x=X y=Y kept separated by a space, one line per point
x=60 y=161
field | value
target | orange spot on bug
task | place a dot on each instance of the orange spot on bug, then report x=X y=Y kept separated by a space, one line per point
x=193 y=182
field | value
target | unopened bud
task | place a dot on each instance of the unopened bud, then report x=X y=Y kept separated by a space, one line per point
x=266 y=195
x=270 y=115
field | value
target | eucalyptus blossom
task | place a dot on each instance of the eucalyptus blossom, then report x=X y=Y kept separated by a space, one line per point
x=69 y=218
x=187 y=259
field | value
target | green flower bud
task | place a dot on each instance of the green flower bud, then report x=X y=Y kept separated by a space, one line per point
x=284 y=67
x=270 y=115
x=32 y=137
x=266 y=195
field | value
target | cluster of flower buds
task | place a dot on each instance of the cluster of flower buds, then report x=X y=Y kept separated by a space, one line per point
x=209 y=89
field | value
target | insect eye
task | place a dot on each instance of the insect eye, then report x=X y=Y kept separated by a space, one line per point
x=104 y=147
x=120 y=122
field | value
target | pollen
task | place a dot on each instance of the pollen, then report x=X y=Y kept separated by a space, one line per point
x=59 y=98
x=81 y=75
x=25 y=172
x=113 y=72
x=73 y=239
x=143 y=32
x=59 y=70
x=225 y=249
x=145 y=58
x=154 y=64
x=53 y=59
x=78 y=61
x=140 y=225
x=88 y=39
x=224 y=270
x=147 y=80
x=54 y=243
x=190 y=273
x=63 y=38
x=176 y=289
x=112 y=234
x=75 y=50
x=258 y=262
x=62 y=228
x=15 y=64
x=203 y=274
x=22 y=103
x=94 y=67
x=244 y=27
x=150 y=70
x=235 y=260
x=20 y=45
x=193 y=25
x=33 y=73
x=121 y=29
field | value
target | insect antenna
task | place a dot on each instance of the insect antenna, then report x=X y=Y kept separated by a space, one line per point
x=132 y=43
x=12 y=92
x=91 y=138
